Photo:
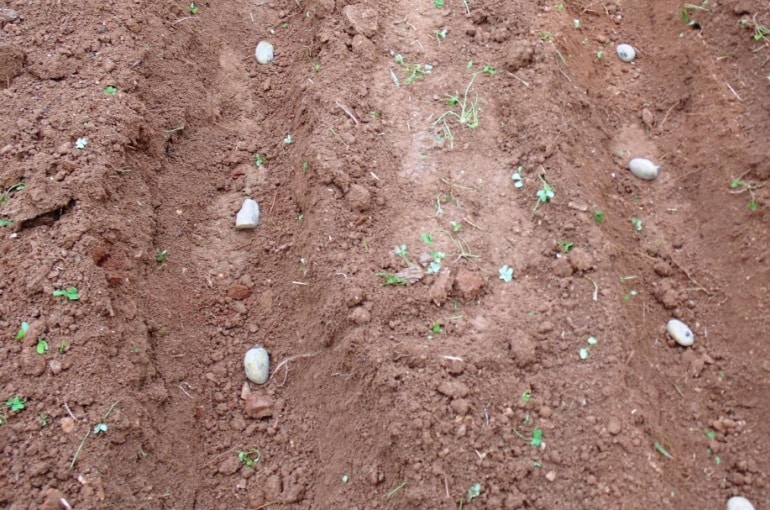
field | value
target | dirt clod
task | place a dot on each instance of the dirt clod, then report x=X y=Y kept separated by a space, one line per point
x=258 y=406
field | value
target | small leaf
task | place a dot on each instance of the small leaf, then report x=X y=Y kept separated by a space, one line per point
x=537 y=437
x=433 y=268
x=506 y=273
x=583 y=353
x=81 y=143
x=70 y=293
x=42 y=346
x=426 y=238
x=592 y=340
x=22 y=331
x=474 y=491
x=5 y=222
x=99 y=428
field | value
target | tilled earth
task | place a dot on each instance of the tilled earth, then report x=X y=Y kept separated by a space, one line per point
x=380 y=143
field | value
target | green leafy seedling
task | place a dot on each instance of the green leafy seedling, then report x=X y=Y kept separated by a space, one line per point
x=81 y=143
x=42 y=346
x=288 y=140
x=488 y=69
x=455 y=226
x=110 y=90
x=440 y=35
x=742 y=186
x=22 y=331
x=5 y=222
x=637 y=223
x=663 y=451
x=70 y=293
x=161 y=255
x=566 y=246
x=43 y=419
x=544 y=194
x=474 y=492
x=438 y=4
x=100 y=428
x=526 y=396
x=391 y=279
x=63 y=347
x=249 y=458
x=537 y=437
x=259 y=160
x=16 y=403
x=193 y=9
x=435 y=328
x=505 y=273
x=599 y=217
x=559 y=7
x=426 y=238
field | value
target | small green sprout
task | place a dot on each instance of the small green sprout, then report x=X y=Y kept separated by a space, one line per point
x=469 y=64
x=70 y=293
x=637 y=223
x=545 y=36
x=288 y=140
x=435 y=265
x=456 y=225
x=16 y=403
x=474 y=491
x=284 y=25
x=392 y=279
x=345 y=478
x=518 y=180
x=663 y=451
x=436 y=328
x=599 y=217
x=583 y=353
x=487 y=69
x=305 y=166
x=42 y=346
x=43 y=419
x=110 y=90
x=526 y=396
x=249 y=457
x=193 y=9
x=546 y=192
x=5 y=222
x=599 y=55
x=506 y=273
x=63 y=347
x=426 y=238
x=100 y=428
x=453 y=99
x=537 y=437
x=438 y=4
x=440 y=35
x=22 y=331
x=566 y=246
x=559 y=7
x=81 y=143
x=746 y=186
x=259 y=160
x=161 y=255
x=399 y=58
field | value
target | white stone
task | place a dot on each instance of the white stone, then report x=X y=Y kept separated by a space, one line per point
x=680 y=332
x=256 y=363
x=626 y=52
x=739 y=503
x=248 y=216
x=264 y=52
x=644 y=168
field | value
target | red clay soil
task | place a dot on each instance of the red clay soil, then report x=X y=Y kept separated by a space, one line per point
x=132 y=131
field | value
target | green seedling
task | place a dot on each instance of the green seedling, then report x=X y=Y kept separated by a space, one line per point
x=110 y=90
x=6 y=195
x=5 y=222
x=438 y=4
x=637 y=223
x=161 y=255
x=22 y=331
x=518 y=180
x=565 y=246
x=474 y=492
x=440 y=35
x=537 y=437
x=259 y=160
x=100 y=428
x=599 y=217
x=415 y=71
x=426 y=238
x=545 y=36
x=81 y=143
x=435 y=265
x=70 y=293
x=544 y=194
x=583 y=353
x=456 y=225
x=599 y=54
x=16 y=403
x=741 y=186
x=663 y=451
x=760 y=31
x=193 y=9
x=288 y=140
x=43 y=419
x=249 y=457
x=487 y=69
x=345 y=478
x=402 y=252
x=284 y=25
x=391 y=279
x=436 y=328
x=506 y=273
x=628 y=295
x=42 y=346
x=63 y=347
x=559 y=7
x=526 y=396
x=469 y=112
x=576 y=24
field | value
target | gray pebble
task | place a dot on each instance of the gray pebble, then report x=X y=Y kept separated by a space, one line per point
x=256 y=363
x=264 y=52
x=644 y=168
x=680 y=332
x=626 y=52
x=739 y=503
x=248 y=216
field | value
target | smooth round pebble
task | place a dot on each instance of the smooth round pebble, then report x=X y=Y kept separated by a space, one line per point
x=644 y=168
x=680 y=332
x=739 y=503
x=256 y=363
x=264 y=52
x=248 y=215
x=626 y=52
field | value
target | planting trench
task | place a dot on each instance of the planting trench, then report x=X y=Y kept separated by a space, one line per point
x=399 y=396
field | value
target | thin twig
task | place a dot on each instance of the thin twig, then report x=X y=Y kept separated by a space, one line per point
x=268 y=504
x=292 y=358
x=183 y=390
x=75 y=458
x=522 y=81
x=733 y=91
x=69 y=411
x=344 y=109
x=596 y=288
x=666 y=116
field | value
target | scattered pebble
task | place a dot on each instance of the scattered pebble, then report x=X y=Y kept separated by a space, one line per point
x=680 y=332
x=626 y=52
x=256 y=362
x=453 y=389
x=248 y=216
x=264 y=52
x=614 y=426
x=739 y=503
x=644 y=168
x=258 y=406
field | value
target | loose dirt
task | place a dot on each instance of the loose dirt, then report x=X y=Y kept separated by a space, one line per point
x=384 y=396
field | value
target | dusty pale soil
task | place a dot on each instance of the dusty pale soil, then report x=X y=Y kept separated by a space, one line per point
x=383 y=396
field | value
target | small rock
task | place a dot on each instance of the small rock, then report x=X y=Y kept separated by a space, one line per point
x=644 y=168
x=439 y=290
x=580 y=260
x=550 y=476
x=680 y=332
x=264 y=52
x=626 y=52
x=468 y=284
x=256 y=363
x=522 y=349
x=739 y=503
x=55 y=366
x=7 y=15
x=248 y=216
x=230 y=465
x=360 y=20
x=52 y=499
x=460 y=406
x=360 y=315
x=545 y=327
x=359 y=198
x=614 y=426
x=258 y=406
x=239 y=292
x=453 y=389
x=11 y=63
x=662 y=268
x=647 y=118
x=67 y=424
